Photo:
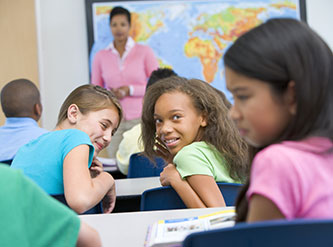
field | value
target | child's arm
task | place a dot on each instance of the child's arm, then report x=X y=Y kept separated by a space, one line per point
x=88 y=236
x=196 y=191
x=206 y=188
x=109 y=200
x=261 y=208
x=170 y=176
x=81 y=191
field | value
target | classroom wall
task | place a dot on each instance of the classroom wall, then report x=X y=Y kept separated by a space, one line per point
x=320 y=18
x=63 y=52
x=62 y=45
x=18 y=42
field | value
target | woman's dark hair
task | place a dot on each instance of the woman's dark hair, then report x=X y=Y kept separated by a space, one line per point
x=120 y=11
x=278 y=52
x=220 y=131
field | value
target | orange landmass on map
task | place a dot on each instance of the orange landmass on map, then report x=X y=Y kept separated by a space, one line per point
x=209 y=56
x=141 y=29
x=101 y=10
x=233 y=23
x=285 y=4
x=247 y=19
x=136 y=26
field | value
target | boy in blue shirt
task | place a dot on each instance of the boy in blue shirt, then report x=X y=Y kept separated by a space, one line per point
x=20 y=102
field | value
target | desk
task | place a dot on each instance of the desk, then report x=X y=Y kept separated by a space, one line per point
x=129 y=229
x=129 y=192
x=136 y=186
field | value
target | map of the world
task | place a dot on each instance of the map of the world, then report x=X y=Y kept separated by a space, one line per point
x=190 y=36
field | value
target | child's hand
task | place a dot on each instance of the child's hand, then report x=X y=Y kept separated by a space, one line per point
x=162 y=150
x=169 y=175
x=109 y=200
x=96 y=168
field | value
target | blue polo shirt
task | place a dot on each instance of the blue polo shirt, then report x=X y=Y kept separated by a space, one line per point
x=17 y=132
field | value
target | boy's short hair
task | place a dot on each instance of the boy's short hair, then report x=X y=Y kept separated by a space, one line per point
x=159 y=74
x=18 y=98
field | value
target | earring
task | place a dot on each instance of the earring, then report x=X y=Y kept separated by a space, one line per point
x=156 y=142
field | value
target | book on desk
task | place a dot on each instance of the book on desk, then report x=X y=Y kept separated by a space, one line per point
x=167 y=233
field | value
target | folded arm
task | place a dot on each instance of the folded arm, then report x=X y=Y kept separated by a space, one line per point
x=197 y=191
x=81 y=191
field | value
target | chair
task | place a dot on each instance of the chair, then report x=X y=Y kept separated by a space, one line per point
x=98 y=209
x=7 y=162
x=140 y=166
x=165 y=198
x=300 y=232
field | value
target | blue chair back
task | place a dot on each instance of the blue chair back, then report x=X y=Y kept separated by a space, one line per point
x=140 y=166
x=278 y=233
x=166 y=198
x=95 y=210
x=230 y=192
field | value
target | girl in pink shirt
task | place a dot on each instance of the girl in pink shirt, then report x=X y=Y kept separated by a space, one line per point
x=281 y=76
x=124 y=68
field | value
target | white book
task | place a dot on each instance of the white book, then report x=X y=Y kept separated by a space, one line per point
x=172 y=232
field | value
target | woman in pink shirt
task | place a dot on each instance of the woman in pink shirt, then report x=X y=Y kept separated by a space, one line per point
x=124 y=67
x=281 y=76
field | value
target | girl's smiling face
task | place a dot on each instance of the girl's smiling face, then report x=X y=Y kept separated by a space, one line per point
x=99 y=125
x=177 y=121
x=260 y=115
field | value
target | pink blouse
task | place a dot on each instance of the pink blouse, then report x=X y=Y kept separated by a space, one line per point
x=133 y=70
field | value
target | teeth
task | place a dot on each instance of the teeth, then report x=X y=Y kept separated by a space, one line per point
x=169 y=141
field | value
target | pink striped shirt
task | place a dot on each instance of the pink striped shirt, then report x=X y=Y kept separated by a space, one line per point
x=133 y=70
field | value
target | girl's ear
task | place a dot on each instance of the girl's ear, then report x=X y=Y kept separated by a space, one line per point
x=73 y=113
x=203 y=120
x=290 y=97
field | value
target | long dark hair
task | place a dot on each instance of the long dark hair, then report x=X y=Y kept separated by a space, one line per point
x=284 y=50
x=220 y=131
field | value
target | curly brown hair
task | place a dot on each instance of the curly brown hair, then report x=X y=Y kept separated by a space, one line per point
x=220 y=131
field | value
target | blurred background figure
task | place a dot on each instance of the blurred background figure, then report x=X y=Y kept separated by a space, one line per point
x=124 y=67
x=21 y=104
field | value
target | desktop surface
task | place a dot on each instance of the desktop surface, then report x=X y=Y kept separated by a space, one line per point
x=130 y=229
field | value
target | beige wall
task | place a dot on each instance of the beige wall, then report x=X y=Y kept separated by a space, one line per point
x=18 y=42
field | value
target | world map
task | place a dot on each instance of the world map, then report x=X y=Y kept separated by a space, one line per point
x=190 y=37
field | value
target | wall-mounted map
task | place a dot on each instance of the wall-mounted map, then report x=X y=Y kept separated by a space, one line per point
x=189 y=36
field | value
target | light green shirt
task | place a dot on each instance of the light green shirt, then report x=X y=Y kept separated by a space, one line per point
x=200 y=158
